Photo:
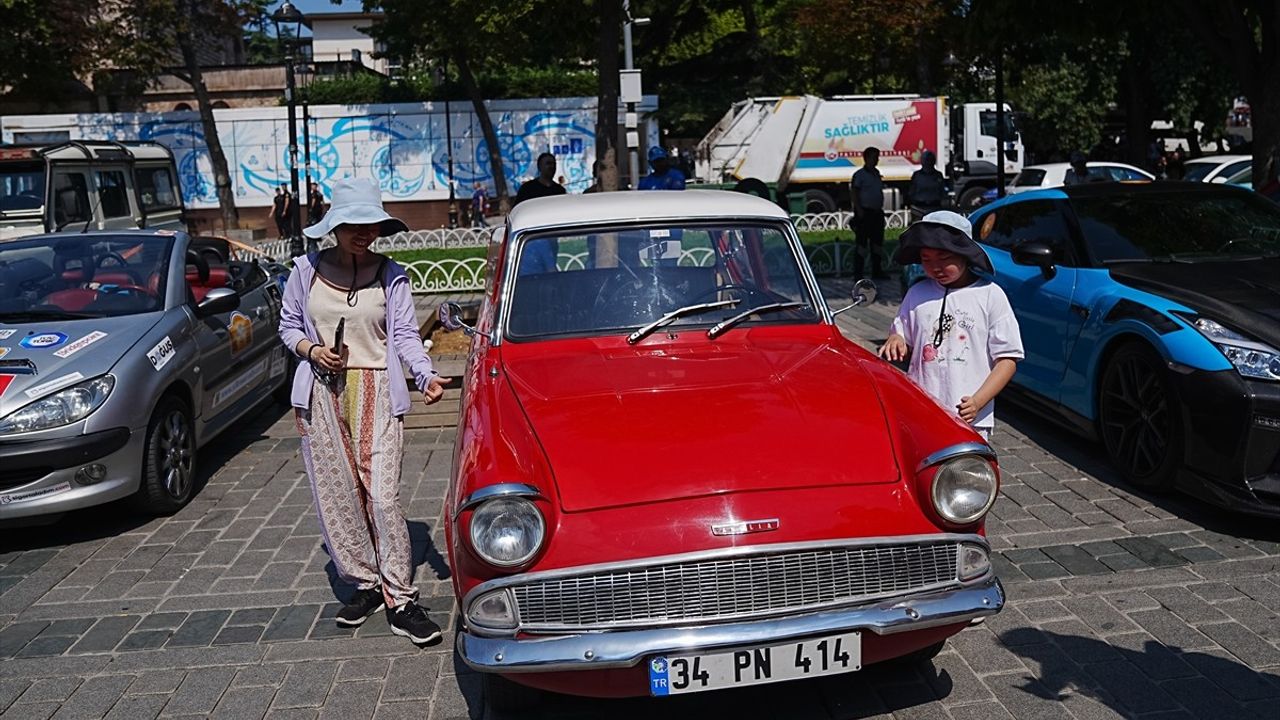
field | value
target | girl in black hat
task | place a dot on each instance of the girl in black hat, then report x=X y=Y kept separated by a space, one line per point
x=956 y=327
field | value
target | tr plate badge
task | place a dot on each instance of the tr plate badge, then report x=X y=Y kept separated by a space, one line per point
x=745 y=527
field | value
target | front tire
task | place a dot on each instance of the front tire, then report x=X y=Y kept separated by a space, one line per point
x=818 y=201
x=169 y=460
x=508 y=696
x=1138 y=417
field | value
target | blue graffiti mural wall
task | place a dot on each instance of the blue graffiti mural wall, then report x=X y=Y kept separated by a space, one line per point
x=405 y=148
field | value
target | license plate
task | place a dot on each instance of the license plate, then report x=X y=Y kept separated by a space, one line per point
x=679 y=674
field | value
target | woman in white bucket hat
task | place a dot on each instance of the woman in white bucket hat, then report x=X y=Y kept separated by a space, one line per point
x=348 y=315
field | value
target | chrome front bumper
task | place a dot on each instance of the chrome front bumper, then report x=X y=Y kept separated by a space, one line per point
x=619 y=649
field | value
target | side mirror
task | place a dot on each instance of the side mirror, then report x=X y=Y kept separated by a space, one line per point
x=218 y=301
x=450 y=316
x=1035 y=253
x=864 y=293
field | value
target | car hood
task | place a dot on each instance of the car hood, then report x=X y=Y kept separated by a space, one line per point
x=90 y=349
x=754 y=410
x=1242 y=293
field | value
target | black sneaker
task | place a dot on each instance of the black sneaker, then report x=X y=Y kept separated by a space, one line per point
x=410 y=620
x=363 y=604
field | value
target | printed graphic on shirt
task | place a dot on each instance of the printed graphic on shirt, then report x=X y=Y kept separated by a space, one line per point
x=241 y=328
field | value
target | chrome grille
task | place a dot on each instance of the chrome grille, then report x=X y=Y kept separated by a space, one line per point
x=743 y=586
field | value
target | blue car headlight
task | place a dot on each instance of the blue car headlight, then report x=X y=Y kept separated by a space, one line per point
x=1252 y=359
x=61 y=408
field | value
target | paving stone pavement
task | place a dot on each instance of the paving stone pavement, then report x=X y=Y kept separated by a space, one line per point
x=1121 y=604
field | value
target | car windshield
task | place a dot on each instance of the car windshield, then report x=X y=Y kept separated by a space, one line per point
x=21 y=188
x=1179 y=226
x=617 y=280
x=71 y=276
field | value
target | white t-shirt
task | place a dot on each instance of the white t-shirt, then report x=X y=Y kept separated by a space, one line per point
x=977 y=329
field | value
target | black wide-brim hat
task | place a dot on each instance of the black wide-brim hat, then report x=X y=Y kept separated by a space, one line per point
x=941 y=230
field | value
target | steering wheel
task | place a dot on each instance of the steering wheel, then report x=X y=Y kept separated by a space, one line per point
x=747 y=290
x=625 y=300
x=124 y=266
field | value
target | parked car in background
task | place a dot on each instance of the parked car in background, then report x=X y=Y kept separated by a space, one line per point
x=673 y=473
x=121 y=353
x=1149 y=314
x=1038 y=177
x=1215 y=168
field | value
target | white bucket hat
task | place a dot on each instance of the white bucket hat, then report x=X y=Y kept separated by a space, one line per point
x=356 y=201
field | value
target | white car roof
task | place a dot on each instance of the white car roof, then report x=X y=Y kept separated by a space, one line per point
x=1052 y=167
x=626 y=206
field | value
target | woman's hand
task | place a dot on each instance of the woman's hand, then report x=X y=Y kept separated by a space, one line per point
x=895 y=349
x=324 y=358
x=435 y=389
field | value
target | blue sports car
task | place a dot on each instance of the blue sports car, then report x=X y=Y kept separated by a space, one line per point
x=1151 y=320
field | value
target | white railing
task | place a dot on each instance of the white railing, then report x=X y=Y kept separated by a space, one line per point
x=468 y=274
x=843 y=220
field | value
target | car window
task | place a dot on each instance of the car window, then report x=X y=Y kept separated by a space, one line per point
x=1029 y=178
x=70 y=198
x=1198 y=171
x=1040 y=220
x=1179 y=226
x=94 y=275
x=21 y=187
x=617 y=279
x=1235 y=167
x=113 y=194
x=156 y=188
x=1123 y=174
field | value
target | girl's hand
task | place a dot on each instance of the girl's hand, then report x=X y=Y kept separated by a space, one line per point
x=895 y=349
x=325 y=358
x=968 y=409
x=435 y=389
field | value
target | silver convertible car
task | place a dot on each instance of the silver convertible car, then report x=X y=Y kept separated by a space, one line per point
x=120 y=354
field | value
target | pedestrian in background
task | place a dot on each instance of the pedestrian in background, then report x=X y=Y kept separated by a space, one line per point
x=1078 y=173
x=315 y=204
x=957 y=329
x=544 y=184
x=927 y=188
x=662 y=176
x=279 y=210
x=348 y=316
x=479 y=206
x=867 y=194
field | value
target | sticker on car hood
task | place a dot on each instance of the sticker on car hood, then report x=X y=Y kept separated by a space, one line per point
x=162 y=353
x=29 y=495
x=6 y=332
x=43 y=340
x=4 y=351
x=4 y=383
x=80 y=344
x=54 y=384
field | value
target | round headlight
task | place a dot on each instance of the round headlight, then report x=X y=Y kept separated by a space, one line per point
x=964 y=489
x=507 y=531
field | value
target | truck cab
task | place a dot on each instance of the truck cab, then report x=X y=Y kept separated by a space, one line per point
x=88 y=185
x=973 y=158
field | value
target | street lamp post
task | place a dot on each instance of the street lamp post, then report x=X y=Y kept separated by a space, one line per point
x=308 y=74
x=633 y=152
x=999 y=123
x=287 y=13
x=448 y=139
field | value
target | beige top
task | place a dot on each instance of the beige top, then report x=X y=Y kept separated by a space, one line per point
x=365 y=333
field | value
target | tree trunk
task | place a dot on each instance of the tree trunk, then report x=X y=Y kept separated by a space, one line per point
x=1137 y=112
x=607 y=107
x=221 y=175
x=1266 y=132
x=468 y=80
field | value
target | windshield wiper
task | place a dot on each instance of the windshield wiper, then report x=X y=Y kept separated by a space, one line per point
x=725 y=325
x=28 y=316
x=676 y=314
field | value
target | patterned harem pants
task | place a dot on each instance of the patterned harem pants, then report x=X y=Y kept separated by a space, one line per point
x=352 y=446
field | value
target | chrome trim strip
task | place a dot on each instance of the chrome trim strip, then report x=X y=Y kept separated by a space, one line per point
x=964 y=448
x=500 y=490
x=717 y=554
x=592 y=651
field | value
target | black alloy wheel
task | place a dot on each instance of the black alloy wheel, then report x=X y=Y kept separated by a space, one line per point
x=1138 y=417
x=169 y=463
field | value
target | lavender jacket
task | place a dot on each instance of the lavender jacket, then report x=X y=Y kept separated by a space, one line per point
x=404 y=344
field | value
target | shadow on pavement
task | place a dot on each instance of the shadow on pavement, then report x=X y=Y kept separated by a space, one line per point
x=1125 y=679
x=120 y=517
x=1089 y=457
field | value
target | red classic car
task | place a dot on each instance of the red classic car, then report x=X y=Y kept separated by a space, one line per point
x=673 y=473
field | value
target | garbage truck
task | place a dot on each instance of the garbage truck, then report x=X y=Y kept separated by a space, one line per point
x=87 y=185
x=811 y=146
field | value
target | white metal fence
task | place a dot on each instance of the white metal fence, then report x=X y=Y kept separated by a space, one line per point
x=447 y=275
